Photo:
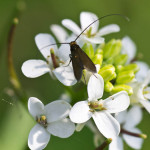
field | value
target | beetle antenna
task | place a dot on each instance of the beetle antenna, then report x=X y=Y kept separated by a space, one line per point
x=52 y=44
x=100 y=19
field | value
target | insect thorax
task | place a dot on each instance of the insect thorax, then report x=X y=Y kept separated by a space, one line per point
x=73 y=45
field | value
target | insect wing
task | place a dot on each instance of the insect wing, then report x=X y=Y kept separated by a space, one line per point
x=86 y=61
x=77 y=64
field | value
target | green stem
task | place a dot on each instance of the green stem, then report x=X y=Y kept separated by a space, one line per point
x=104 y=144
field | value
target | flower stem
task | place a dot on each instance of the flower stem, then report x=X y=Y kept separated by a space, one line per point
x=104 y=144
x=133 y=134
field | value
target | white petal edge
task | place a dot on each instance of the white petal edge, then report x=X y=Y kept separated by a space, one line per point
x=57 y=110
x=95 y=87
x=146 y=104
x=121 y=116
x=80 y=112
x=65 y=74
x=147 y=79
x=116 y=144
x=142 y=73
x=34 y=68
x=38 y=138
x=57 y=29
x=72 y=26
x=128 y=47
x=62 y=128
x=134 y=142
x=43 y=40
x=86 y=18
x=147 y=95
x=106 y=124
x=134 y=116
x=35 y=107
x=117 y=102
x=95 y=40
x=112 y=28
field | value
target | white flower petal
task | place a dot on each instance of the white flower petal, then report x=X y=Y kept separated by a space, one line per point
x=121 y=116
x=35 y=107
x=116 y=144
x=62 y=128
x=146 y=104
x=142 y=73
x=57 y=29
x=95 y=40
x=134 y=117
x=106 y=124
x=95 y=87
x=43 y=41
x=57 y=110
x=117 y=102
x=109 y=29
x=147 y=91
x=65 y=75
x=147 y=79
x=34 y=68
x=86 y=18
x=134 y=142
x=64 y=50
x=38 y=138
x=69 y=24
x=129 y=48
x=80 y=112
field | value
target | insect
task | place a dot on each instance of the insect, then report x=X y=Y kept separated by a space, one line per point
x=78 y=57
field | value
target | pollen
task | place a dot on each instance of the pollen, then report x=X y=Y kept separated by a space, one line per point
x=42 y=121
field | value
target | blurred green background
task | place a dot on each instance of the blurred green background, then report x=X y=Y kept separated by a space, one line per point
x=38 y=15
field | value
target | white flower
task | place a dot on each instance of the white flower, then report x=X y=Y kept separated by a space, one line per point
x=57 y=66
x=100 y=110
x=128 y=120
x=92 y=34
x=141 y=92
x=59 y=32
x=129 y=48
x=51 y=119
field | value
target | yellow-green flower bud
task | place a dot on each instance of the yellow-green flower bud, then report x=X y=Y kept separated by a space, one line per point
x=125 y=77
x=88 y=49
x=122 y=87
x=108 y=86
x=98 y=59
x=108 y=72
x=119 y=68
x=99 y=51
x=134 y=67
x=121 y=59
x=112 y=48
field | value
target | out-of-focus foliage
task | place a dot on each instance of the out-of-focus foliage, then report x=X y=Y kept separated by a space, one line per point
x=36 y=18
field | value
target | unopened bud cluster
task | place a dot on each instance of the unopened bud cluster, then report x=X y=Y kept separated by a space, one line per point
x=113 y=65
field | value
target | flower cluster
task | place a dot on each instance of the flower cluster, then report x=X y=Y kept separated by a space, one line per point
x=120 y=77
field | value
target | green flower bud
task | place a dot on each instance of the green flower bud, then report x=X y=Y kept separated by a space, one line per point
x=122 y=87
x=88 y=49
x=98 y=59
x=99 y=51
x=134 y=67
x=108 y=72
x=121 y=59
x=119 y=68
x=108 y=86
x=112 y=48
x=125 y=77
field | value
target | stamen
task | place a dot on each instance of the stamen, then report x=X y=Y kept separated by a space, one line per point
x=42 y=121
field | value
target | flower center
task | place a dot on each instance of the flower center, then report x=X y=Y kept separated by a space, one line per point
x=42 y=121
x=55 y=60
x=89 y=33
x=96 y=106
